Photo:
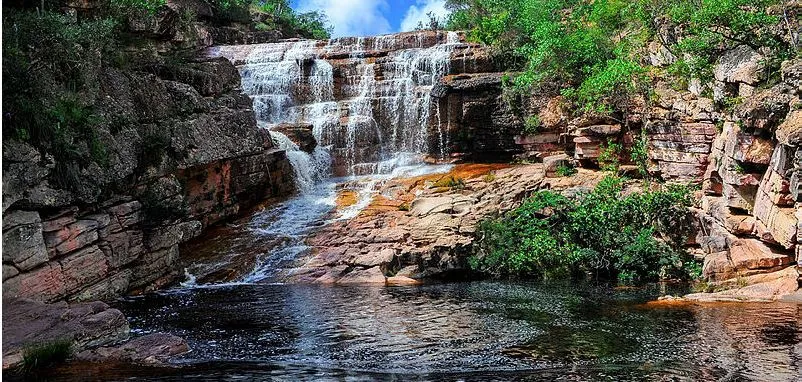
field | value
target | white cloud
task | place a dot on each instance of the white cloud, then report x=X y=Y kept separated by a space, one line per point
x=419 y=13
x=351 y=17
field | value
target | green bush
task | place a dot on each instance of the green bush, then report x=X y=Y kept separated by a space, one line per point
x=532 y=125
x=639 y=154
x=565 y=170
x=608 y=156
x=592 y=51
x=635 y=237
x=41 y=355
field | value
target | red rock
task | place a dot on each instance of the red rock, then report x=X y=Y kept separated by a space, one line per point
x=83 y=267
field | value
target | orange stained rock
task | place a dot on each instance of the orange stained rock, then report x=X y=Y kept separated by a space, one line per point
x=346 y=198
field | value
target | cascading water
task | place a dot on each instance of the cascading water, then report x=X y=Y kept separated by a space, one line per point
x=382 y=110
x=369 y=106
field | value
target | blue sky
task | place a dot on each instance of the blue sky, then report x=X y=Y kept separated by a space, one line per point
x=371 y=17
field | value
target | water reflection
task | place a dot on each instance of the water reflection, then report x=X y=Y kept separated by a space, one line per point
x=470 y=331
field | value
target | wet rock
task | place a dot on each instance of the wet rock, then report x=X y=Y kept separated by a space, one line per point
x=300 y=134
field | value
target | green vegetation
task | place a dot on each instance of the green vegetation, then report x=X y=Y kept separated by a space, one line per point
x=449 y=181
x=565 y=170
x=639 y=154
x=633 y=237
x=532 y=125
x=593 y=51
x=275 y=15
x=41 y=355
x=609 y=155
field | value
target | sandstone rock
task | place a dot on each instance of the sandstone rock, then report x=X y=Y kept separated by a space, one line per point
x=789 y=133
x=791 y=71
x=83 y=267
x=552 y=163
x=165 y=237
x=372 y=275
x=45 y=283
x=745 y=257
x=23 y=244
x=152 y=348
x=766 y=109
x=741 y=64
x=72 y=237
x=27 y=322
x=763 y=287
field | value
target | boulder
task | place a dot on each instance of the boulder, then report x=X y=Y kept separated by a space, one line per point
x=23 y=243
x=154 y=348
x=554 y=162
x=86 y=325
x=741 y=64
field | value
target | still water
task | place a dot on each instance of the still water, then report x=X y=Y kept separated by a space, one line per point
x=477 y=331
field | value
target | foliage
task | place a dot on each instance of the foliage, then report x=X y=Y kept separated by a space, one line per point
x=565 y=170
x=45 y=354
x=635 y=236
x=531 y=125
x=449 y=181
x=49 y=63
x=592 y=51
x=313 y=24
x=608 y=156
x=639 y=154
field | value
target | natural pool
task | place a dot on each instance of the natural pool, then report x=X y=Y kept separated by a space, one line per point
x=476 y=331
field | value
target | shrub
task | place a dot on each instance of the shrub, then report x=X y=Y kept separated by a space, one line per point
x=636 y=237
x=531 y=125
x=608 y=156
x=449 y=181
x=565 y=170
x=639 y=154
x=45 y=354
x=592 y=51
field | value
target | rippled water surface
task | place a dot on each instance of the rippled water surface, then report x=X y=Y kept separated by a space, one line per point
x=458 y=332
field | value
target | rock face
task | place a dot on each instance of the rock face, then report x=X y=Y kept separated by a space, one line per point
x=184 y=152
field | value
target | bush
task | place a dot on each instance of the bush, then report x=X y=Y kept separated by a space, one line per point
x=531 y=125
x=608 y=156
x=45 y=354
x=565 y=170
x=635 y=237
x=592 y=51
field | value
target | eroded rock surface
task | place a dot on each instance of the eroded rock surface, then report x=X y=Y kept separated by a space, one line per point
x=423 y=228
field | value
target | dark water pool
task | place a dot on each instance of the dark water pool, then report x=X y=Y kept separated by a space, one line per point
x=477 y=331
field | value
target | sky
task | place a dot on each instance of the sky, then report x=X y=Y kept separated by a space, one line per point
x=372 y=17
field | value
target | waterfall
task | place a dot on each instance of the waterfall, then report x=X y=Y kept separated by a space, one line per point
x=366 y=99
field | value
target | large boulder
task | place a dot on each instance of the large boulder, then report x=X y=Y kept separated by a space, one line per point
x=29 y=323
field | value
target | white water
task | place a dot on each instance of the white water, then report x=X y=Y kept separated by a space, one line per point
x=378 y=125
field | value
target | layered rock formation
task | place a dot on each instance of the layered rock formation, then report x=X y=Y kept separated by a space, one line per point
x=184 y=152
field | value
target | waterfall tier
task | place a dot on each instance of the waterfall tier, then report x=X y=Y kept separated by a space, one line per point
x=366 y=100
